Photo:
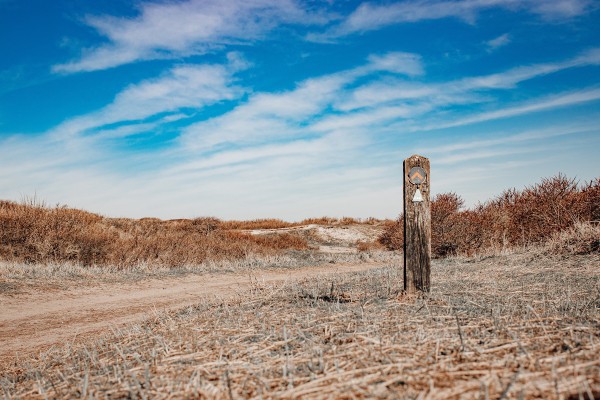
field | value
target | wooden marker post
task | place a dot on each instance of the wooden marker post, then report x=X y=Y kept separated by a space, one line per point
x=417 y=224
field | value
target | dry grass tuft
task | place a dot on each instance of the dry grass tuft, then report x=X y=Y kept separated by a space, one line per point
x=369 y=246
x=581 y=238
x=516 y=326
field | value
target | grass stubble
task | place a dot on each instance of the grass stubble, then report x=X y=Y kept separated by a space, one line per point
x=21 y=278
x=524 y=324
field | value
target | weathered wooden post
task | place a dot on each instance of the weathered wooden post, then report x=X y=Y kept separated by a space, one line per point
x=417 y=224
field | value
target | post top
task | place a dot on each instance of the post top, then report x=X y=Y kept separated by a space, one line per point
x=416 y=157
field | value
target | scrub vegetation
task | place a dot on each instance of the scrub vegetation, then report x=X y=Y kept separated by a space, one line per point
x=34 y=233
x=516 y=218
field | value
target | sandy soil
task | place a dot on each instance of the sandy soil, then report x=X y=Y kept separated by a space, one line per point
x=330 y=238
x=30 y=322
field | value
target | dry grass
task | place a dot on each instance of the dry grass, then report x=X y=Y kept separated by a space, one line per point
x=516 y=326
x=258 y=224
x=35 y=233
x=18 y=277
x=515 y=218
x=279 y=224
x=582 y=238
x=369 y=246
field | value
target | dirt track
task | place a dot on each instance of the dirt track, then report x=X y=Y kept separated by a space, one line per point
x=33 y=322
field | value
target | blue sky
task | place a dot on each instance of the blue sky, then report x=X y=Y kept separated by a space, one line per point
x=291 y=109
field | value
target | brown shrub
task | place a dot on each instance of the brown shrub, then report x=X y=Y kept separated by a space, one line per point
x=590 y=200
x=444 y=209
x=538 y=211
x=514 y=218
x=392 y=237
x=344 y=221
x=35 y=233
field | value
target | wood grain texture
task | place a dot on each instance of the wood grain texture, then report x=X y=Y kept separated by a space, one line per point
x=417 y=229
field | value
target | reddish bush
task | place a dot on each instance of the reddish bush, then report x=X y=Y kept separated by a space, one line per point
x=392 y=237
x=514 y=218
x=444 y=209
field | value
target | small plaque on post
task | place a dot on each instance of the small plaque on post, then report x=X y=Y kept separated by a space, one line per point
x=418 y=197
x=417 y=175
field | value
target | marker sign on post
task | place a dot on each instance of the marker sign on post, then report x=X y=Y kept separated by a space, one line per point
x=418 y=197
x=417 y=224
x=417 y=175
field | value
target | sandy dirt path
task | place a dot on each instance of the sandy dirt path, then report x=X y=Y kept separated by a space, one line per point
x=36 y=321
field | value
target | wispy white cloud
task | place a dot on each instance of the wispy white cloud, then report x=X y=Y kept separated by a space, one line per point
x=559 y=9
x=498 y=42
x=398 y=62
x=176 y=29
x=265 y=116
x=449 y=159
x=548 y=103
x=314 y=148
x=511 y=145
x=284 y=115
x=332 y=105
x=165 y=30
x=516 y=75
x=525 y=136
x=384 y=91
x=370 y=16
x=86 y=149
x=473 y=89
x=183 y=86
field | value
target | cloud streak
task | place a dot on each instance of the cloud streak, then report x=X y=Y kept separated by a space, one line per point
x=183 y=86
x=538 y=105
x=166 y=30
x=498 y=42
x=169 y=30
x=290 y=114
x=369 y=16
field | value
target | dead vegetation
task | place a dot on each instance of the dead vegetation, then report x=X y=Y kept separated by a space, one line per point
x=279 y=224
x=581 y=238
x=523 y=322
x=17 y=278
x=523 y=325
x=515 y=218
x=35 y=233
